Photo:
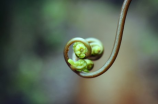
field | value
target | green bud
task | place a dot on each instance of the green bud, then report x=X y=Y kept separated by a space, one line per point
x=90 y=64
x=80 y=49
x=81 y=65
x=96 y=50
x=78 y=65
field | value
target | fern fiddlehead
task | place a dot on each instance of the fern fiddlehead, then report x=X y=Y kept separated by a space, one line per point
x=90 y=49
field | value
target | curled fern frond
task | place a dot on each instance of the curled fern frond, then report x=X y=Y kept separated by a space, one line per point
x=86 y=50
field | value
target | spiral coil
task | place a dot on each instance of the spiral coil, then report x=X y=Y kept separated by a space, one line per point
x=91 y=42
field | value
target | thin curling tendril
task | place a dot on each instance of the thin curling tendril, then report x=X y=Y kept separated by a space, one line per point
x=116 y=47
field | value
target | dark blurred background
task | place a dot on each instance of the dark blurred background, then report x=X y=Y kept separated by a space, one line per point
x=33 y=36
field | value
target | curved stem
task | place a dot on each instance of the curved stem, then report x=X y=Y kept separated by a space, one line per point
x=116 y=47
x=117 y=43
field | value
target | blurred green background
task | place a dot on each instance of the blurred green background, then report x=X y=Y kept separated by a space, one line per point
x=33 y=36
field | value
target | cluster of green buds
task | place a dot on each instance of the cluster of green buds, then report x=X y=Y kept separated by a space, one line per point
x=80 y=50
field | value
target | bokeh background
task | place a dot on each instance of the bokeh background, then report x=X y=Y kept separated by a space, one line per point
x=33 y=34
